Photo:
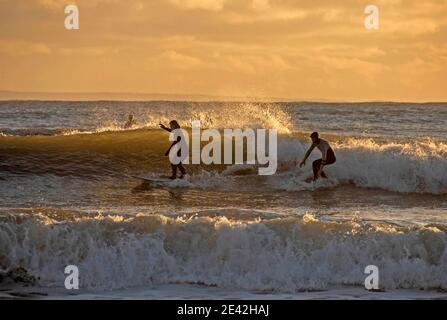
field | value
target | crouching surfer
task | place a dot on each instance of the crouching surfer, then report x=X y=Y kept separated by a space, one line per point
x=328 y=156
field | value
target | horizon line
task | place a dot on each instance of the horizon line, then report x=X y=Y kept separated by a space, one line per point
x=11 y=95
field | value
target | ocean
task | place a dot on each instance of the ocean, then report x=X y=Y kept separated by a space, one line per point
x=67 y=197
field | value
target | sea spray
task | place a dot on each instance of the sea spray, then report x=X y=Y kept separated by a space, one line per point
x=282 y=254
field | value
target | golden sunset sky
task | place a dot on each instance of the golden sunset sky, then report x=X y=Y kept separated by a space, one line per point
x=295 y=49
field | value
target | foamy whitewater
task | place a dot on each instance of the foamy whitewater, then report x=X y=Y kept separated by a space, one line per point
x=68 y=198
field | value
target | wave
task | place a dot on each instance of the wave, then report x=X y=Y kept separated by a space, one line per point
x=266 y=253
x=413 y=167
x=418 y=166
x=112 y=127
x=216 y=115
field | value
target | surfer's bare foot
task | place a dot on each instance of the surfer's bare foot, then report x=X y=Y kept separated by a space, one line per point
x=172 y=177
x=182 y=176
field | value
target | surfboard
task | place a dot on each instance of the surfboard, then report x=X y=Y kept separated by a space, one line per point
x=309 y=179
x=153 y=180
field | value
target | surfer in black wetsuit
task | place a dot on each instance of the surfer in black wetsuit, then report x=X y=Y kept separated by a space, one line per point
x=172 y=126
x=328 y=155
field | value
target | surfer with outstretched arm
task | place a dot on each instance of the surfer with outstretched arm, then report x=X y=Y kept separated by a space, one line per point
x=172 y=126
x=328 y=155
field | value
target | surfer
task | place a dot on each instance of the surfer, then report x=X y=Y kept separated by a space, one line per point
x=328 y=156
x=130 y=122
x=172 y=126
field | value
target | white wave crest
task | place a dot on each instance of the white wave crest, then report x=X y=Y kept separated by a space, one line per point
x=416 y=166
x=284 y=254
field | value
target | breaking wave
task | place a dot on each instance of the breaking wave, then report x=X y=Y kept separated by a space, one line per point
x=418 y=166
x=245 y=250
x=212 y=115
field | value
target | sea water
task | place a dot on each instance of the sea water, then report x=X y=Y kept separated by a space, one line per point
x=68 y=198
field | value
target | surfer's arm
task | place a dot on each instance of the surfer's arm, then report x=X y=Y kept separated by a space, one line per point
x=307 y=154
x=165 y=128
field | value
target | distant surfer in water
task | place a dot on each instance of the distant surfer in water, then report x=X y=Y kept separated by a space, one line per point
x=328 y=156
x=130 y=122
x=172 y=126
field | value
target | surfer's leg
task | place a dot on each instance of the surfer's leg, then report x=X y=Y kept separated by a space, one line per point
x=182 y=170
x=174 y=171
x=330 y=160
x=316 y=167
x=330 y=157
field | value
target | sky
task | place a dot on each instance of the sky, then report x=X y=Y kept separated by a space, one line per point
x=293 y=49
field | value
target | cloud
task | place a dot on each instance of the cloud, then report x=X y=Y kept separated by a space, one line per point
x=261 y=5
x=255 y=63
x=174 y=60
x=86 y=51
x=57 y=4
x=212 y=5
x=265 y=16
x=53 y=4
x=20 y=48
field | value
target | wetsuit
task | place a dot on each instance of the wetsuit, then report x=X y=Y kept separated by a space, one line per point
x=328 y=156
x=179 y=165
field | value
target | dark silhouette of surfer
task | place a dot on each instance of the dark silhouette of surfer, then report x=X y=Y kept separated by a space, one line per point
x=172 y=126
x=130 y=122
x=328 y=156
